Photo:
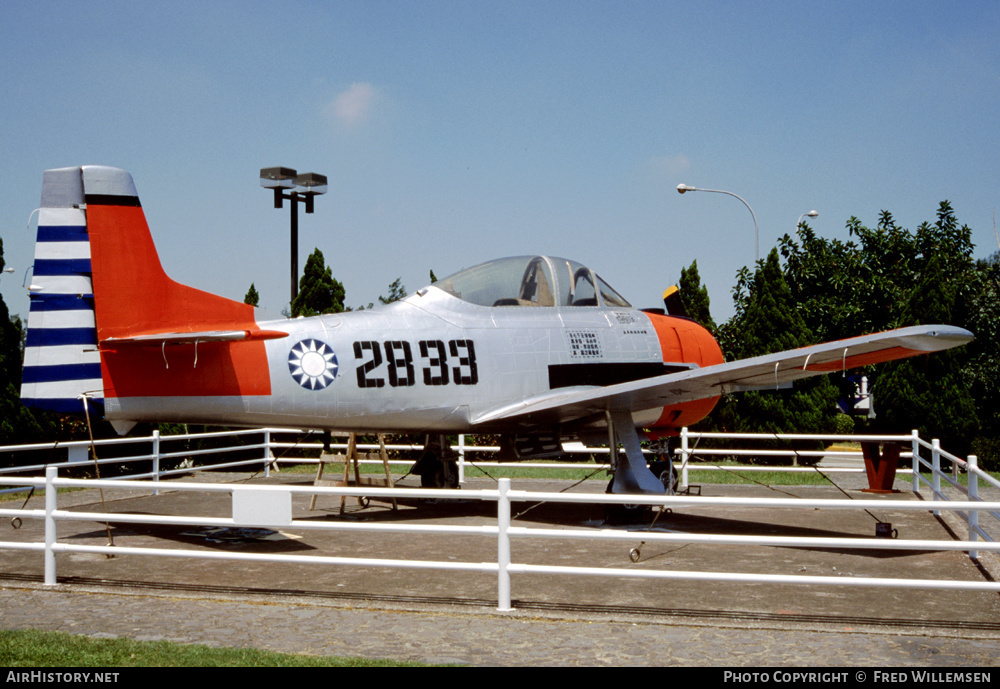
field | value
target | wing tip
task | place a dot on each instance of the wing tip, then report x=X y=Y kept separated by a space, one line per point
x=936 y=338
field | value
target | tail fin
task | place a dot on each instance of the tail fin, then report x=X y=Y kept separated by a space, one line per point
x=103 y=310
x=135 y=295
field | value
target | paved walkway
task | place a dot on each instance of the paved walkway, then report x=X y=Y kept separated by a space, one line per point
x=479 y=638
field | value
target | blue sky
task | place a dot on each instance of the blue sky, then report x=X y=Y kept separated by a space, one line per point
x=457 y=132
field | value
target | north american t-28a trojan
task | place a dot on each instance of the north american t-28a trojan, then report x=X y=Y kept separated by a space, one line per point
x=535 y=348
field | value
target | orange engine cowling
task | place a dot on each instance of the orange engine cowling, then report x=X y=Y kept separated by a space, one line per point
x=685 y=342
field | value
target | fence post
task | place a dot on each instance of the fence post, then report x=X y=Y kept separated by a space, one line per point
x=915 y=449
x=684 y=460
x=156 y=459
x=461 y=458
x=973 y=468
x=50 y=526
x=503 y=546
x=936 y=475
x=267 y=452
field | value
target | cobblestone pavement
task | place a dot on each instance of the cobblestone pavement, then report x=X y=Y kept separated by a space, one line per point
x=478 y=639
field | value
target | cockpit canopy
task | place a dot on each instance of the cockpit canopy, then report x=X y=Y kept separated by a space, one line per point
x=531 y=281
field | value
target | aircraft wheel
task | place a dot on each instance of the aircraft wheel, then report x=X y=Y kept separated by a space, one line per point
x=665 y=472
x=622 y=515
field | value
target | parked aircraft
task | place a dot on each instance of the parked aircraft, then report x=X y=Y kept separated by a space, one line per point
x=535 y=348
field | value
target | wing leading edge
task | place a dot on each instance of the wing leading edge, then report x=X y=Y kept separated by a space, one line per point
x=758 y=373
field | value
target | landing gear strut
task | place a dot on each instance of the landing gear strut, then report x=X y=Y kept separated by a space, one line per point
x=631 y=475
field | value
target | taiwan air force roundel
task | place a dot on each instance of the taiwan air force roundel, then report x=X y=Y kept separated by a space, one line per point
x=313 y=364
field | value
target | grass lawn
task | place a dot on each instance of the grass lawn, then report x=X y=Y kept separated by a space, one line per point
x=729 y=474
x=30 y=648
x=21 y=495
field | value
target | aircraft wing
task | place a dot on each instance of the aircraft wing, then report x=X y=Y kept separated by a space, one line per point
x=757 y=373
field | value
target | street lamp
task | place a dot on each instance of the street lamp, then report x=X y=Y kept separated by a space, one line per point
x=681 y=188
x=811 y=214
x=307 y=186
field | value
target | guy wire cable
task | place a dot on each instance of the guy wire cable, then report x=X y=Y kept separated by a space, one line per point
x=97 y=470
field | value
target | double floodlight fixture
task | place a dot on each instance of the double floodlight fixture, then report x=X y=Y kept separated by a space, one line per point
x=289 y=184
x=307 y=185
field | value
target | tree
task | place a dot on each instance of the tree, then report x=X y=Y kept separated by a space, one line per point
x=319 y=291
x=10 y=340
x=982 y=369
x=695 y=297
x=887 y=277
x=929 y=393
x=767 y=320
x=252 y=298
x=396 y=292
x=17 y=423
x=852 y=288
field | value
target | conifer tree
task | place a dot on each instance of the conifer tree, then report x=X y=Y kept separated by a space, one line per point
x=319 y=291
x=17 y=423
x=768 y=321
x=252 y=298
x=695 y=297
x=396 y=292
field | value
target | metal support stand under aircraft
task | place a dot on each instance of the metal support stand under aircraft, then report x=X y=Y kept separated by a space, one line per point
x=631 y=475
x=437 y=467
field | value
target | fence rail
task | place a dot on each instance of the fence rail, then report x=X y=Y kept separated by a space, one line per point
x=503 y=532
x=270 y=506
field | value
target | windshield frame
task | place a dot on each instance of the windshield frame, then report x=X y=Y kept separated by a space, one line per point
x=533 y=281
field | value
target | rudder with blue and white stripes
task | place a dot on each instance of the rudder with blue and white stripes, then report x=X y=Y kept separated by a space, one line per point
x=61 y=358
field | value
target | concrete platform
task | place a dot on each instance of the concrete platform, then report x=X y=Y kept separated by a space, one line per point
x=436 y=616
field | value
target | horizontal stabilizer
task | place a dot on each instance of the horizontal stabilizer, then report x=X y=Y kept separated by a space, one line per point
x=158 y=339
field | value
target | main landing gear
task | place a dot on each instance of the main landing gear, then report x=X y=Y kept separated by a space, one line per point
x=631 y=475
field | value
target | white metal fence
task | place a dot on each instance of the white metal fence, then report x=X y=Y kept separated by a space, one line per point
x=270 y=506
x=925 y=466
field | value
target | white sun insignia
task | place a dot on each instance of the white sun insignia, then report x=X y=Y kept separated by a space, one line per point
x=313 y=364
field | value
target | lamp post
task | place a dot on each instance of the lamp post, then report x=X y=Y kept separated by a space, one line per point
x=307 y=186
x=681 y=188
x=811 y=214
